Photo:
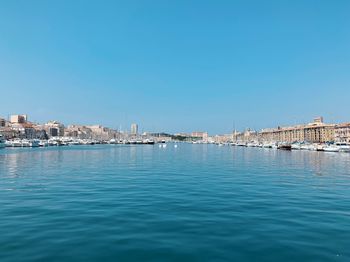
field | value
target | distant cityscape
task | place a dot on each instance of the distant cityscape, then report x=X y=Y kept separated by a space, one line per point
x=20 y=127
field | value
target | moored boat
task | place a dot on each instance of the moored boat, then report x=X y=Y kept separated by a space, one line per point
x=331 y=148
x=343 y=147
x=284 y=147
x=296 y=146
x=319 y=147
x=2 y=142
x=267 y=145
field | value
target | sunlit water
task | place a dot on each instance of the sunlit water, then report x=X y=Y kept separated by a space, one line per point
x=191 y=203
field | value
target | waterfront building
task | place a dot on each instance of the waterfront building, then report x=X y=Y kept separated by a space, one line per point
x=182 y=134
x=96 y=132
x=201 y=135
x=77 y=131
x=2 y=122
x=102 y=133
x=315 y=132
x=18 y=119
x=236 y=136
x=134 y=129
x=54 y=128
x=342 y=133
x=247 y=136
x=53 y=131
x=198 y=134
x=319 y=132
x=24 y=131
x=226 y=138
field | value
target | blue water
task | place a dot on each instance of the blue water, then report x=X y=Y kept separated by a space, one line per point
x=191 y=203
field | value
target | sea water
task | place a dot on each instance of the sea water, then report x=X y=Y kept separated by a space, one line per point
x=190 y=203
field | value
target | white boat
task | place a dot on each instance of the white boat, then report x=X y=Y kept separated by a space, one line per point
x=319 y=147
x=2 y=142
x=267 y=145
x=35 y=143
x=331 y=148
x=112 y=141
x=43 y=143
x=148 y=142
x=296 y=146
x=52 y=142
x=310 y=147
x=284 y=146
x=74 y=143
x=343 y=147
x=25 y=143
x=304 y=146
x=16 y=143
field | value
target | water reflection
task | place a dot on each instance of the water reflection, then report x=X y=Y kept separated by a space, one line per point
x=44 y=161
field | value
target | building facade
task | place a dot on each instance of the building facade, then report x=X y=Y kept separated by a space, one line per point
x=342 y=133
x=54 y=129
x=18 y=119
x=134 y=129
x=2 y=122
x=315 y=132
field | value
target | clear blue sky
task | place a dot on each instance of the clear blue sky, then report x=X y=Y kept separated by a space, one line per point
x=176 y=65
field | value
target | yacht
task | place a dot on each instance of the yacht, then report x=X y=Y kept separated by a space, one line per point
x=2 y=142
x=52 y=142
x=267 y=145
x=331 y=148
x=30 y=143
x=319 y=147
x=113 y=141
x=43 y=143
x=74 y=142
x=16 y=143
x=343 y=147
x=296 y=146
x=284 y=146
x=148 y=142
x=308 y=147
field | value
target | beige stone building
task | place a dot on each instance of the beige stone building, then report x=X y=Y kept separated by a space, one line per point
x=226 y=138
x=315 y=132
x=246 y=136
x=18 y=119
x=201 y=135
x=54 y=128
x=342 y=133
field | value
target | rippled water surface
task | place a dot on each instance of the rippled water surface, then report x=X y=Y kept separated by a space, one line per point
x=191 y=203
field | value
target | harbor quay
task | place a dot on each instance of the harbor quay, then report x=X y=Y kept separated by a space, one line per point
x=18 y=131
x=314 y=132
x=317 y=136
